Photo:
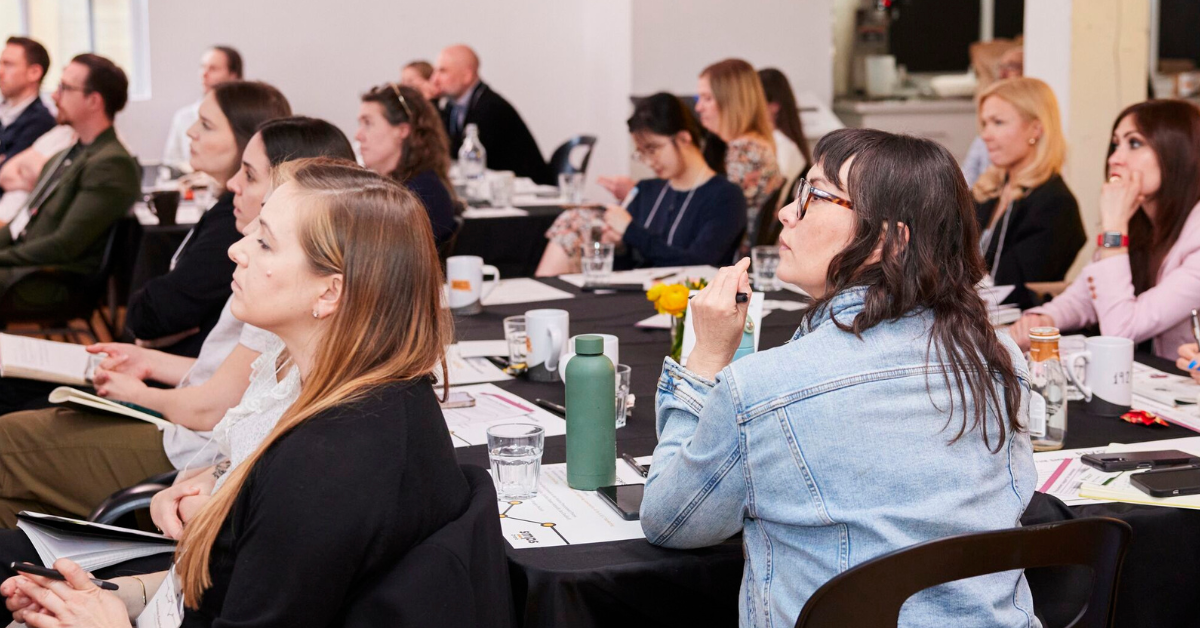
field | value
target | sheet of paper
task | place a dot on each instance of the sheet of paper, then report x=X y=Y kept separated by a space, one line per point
x=651 y=276
x=755 y=314
x=165 y=609
x=560 y=515
x=493 y=405
x=46 y=360
x=493 y=212
x=482 y=348
x=658 y=321
x=1060 y=474
x=512 y=291
x=465 y=371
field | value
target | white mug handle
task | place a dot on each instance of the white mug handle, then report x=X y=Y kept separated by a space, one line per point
x=1086 y=356
x=491 y=284
x=556 y=343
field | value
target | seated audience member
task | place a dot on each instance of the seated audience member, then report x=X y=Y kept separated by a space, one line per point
x=685 y=216
x=67 y=461
x=217 y=65
x=791 y=147
x=509 y=144
x=419 y=76
x=81 y=193
x=1144 y=279
x=1029 y=218
x=23 y=116
x=400 y=136
x=1011 y=65
x=883 y=236
x=732 y=105
x=19 y=173
x=366 y=396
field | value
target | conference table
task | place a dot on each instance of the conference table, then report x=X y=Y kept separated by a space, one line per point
x=634 y=583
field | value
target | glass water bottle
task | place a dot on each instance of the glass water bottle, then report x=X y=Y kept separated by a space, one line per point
x=1048 y=388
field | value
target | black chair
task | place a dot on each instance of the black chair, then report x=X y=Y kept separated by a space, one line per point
x=446 y=248
x=85 y=292
x=121 y=508
x=456 y=577
x=560 y=161
x=768 y=227
x=871 y=594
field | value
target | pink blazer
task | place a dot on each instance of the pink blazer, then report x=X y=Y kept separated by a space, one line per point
x=1104 y=292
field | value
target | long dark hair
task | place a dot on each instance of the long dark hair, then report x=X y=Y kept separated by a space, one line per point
x=901 y=184
x=427 y=146
x=779 y=92
x=1172 y=129
x=246 y=105
x=664 y=114
x=286 y=139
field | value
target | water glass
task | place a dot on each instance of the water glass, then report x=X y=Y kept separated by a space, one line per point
x=502 y=188
x=515 y=452
x=623 y=378
x=766 y=262
x=518 y=341
x=597 y=262
x=570 y=187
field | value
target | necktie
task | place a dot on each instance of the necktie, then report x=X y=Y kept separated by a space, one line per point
x=41 y=192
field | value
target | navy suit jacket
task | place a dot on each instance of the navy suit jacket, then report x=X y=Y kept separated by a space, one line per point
x=30 y=125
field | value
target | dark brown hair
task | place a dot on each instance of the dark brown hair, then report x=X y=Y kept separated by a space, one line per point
x=779 y=91
x=427 y=146
x=106 y=79
x=1172 y=129
x=233 y=60
x=35 y=53
x=248 y=104
x=423 y=68
x=664 y=114
x=901 y=183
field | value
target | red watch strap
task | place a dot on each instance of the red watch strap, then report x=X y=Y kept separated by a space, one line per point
x=1100 y=240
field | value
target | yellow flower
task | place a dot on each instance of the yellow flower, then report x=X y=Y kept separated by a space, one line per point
x=675 y=301
x=655 y=292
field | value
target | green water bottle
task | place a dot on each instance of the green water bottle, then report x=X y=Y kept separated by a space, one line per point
x=591 y=417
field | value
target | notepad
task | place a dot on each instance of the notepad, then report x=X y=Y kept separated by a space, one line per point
x=92 y=545
x=47 y=360
x=71 y=396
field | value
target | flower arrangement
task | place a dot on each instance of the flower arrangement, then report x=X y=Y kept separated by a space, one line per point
x=673 y=299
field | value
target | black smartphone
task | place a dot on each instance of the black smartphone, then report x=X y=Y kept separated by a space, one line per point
x=626 y=499
x=1168 y=482
x=53 y=574
x=1131 y=460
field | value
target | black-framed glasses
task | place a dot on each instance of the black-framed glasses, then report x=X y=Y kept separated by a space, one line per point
x=805 y=192
x=64 y=88
x=400 y=97
x=649 y=152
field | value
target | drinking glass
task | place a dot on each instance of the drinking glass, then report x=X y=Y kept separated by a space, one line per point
x=597 y=262
x=623 y=378
x=515 y=452
x=570 y=187
x=766 y=262
x=502 y=189
x=518 y=341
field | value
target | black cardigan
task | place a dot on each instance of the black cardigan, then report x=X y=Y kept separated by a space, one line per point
x=508 y=142
x=330 y=507
x=194 y=293
x=1044 y=235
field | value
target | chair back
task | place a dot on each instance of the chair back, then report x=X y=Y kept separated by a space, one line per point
x=871 y=594
x=561 y=162
x=765 y=231
x=456 y=577
x=446 y=248
x=121 y=507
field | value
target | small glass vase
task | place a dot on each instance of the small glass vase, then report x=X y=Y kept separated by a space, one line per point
x=677 y=338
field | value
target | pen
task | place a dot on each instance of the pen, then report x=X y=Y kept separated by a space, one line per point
x=1196 y=335
x=742 y=297
x=634 y=463
x=53 y=574
x=633 y=192
x=551 y=406
x=499 y=362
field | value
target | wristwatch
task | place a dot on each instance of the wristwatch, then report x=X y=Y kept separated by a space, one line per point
x=1112 y=240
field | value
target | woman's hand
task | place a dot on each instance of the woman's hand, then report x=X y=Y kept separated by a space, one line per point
x=119 y=386
x=1119 y=198
x=617 y=219
x=16 y=602
x=719 y=320
x=125 y=358
x=165 y=508
x=1020 y=329
x=617 y=186
x=76 y=603
x=1189 y=360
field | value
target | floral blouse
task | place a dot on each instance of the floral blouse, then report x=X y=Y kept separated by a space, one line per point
x=750 y=164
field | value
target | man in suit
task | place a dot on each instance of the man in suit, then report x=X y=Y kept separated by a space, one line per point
x=468 y=100
x=23 y=116
x=82 y=192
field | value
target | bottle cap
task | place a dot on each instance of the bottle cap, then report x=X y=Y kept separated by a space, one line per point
x=589 y=345
x=1044 y=334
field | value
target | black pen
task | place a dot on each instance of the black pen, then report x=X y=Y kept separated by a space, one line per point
x=742 y=297
x=552 y=407
x=53 y=574
x=634 y=463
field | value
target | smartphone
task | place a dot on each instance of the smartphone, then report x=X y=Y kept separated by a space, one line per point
x=54 y=574
x=626 y=499
x=1131 y=460
x=461 y=400
x=1168 y=482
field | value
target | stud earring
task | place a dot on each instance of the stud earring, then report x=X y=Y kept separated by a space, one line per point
x=1032 y=141
x=315 y=315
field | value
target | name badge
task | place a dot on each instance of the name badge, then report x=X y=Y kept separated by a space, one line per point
x=165 y=609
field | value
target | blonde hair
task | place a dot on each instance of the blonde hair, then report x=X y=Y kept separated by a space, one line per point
x=741 y=100
x=1033 y=100
x=389 y=327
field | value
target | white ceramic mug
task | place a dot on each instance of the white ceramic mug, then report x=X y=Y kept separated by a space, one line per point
x=547 y=332
x=1107 y=385
x=611 y=351
x=464 y=274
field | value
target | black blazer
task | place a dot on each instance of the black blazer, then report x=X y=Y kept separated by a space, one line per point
x=30 y=125
x=508 y=142
x=1043 y=237
x=193 y=294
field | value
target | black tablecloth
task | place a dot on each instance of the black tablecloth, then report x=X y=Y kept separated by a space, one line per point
x=633 y=582
x=512 y=244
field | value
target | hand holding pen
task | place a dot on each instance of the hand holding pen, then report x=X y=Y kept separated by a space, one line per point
x=719 y=318
x=1189 y=355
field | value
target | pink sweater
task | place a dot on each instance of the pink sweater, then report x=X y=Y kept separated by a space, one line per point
x=1104 y=292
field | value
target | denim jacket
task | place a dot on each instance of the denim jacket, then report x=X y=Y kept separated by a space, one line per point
x=832 y=450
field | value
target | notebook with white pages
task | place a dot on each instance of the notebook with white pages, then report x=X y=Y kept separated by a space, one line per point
x=92 y=545
x=47 y=360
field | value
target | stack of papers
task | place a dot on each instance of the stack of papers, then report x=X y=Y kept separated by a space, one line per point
x=468 y=426
x=650 y=276
x=1172 y=397
x=92 y=545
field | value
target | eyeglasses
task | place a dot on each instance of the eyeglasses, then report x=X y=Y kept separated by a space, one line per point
x=651 y=151
x=805 y=192
x=63 y=87
x=400 y=97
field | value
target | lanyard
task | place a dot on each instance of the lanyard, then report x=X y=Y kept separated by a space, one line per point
x=682 y=210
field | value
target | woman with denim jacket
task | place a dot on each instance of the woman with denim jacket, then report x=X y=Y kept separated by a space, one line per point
x=910 y=425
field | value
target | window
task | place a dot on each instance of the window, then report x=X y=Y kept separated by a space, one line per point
x=113 y=28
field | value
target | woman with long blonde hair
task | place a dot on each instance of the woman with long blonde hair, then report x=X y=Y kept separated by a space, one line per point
x=342 y=268
x=1030 y=220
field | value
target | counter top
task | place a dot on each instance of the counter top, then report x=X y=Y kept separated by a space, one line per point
x=912 y=105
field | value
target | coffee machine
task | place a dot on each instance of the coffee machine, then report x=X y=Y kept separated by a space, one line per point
x=872 y=20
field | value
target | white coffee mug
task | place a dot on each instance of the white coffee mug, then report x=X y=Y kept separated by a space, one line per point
x=1107 y=385
x=547 y=332
x=611 y=351
x=464 y=274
